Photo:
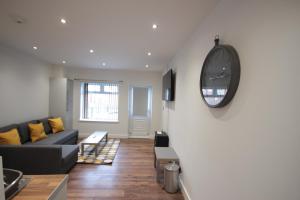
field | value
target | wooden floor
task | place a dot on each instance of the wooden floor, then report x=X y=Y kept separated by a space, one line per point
x=131 y=177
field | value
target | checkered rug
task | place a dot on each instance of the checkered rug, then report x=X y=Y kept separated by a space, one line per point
x=105 y=156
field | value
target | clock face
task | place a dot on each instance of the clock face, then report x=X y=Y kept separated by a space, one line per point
x=220 y=76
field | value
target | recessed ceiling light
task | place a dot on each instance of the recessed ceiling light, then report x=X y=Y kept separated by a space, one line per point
x=63 y=62
x=63 y=21
x=149 y=54
x=35 y=48
x=91 y=51
x=104 y=64
x=147 y=66
x=154 y=26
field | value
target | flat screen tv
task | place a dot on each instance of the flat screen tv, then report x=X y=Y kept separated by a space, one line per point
x=168 y=86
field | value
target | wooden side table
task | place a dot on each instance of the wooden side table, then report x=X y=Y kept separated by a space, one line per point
x=166 y=154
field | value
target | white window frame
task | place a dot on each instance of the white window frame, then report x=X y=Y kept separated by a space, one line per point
x=82 y=118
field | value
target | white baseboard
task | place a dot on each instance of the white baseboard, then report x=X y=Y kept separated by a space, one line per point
x=121 y=136
x=184 y=192
x=141 y=137
x=118 y=136
x=84 y=135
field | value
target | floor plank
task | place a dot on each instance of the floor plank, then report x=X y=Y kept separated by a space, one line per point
x=131 y=177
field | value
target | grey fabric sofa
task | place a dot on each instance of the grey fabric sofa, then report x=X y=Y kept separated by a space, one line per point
x=56 y=154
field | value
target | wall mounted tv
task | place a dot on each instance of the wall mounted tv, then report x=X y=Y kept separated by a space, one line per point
x=168 y=92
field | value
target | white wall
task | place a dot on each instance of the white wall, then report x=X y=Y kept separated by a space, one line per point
x=134 y=78
x=58 y=97
x=250 y=149
x=24 y=87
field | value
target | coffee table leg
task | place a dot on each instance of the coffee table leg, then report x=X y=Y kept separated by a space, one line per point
x=96 y=150
x=82 y=149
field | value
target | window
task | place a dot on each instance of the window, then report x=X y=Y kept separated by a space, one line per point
x=99 y=101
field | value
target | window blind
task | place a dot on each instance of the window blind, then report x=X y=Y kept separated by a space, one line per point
x=99 y=101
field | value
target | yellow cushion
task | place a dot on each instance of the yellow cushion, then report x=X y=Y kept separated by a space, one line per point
x=10 y=137
x=56 y=124
x=37 y=132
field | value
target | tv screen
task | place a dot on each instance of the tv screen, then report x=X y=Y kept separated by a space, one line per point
x=168 y=86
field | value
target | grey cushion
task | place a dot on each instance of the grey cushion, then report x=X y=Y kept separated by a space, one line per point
x=46 y=125
x=24 y=131
x=8 y=128
x=58 y=138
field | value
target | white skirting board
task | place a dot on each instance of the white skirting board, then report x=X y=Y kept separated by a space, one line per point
x=84 y=135
x=184 y=192
x=142 y=137
x=110 y=135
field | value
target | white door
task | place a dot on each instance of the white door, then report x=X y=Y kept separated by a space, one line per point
x=140 y=111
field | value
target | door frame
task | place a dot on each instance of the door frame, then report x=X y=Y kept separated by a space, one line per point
x=149 y=110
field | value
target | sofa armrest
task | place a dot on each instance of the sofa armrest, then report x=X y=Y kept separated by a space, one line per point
x=32 y=159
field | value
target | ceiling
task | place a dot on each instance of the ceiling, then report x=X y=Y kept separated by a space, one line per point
x=119 y=31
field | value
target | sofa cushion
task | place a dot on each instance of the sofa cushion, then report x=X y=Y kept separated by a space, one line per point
x=56 y=124
x=58 y=138
x=69 y=152
x=10 y=137
x=37 y=132
x=46 y=125
x=24 y=131
x=8 y=128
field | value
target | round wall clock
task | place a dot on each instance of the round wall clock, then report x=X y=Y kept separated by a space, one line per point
x=220 y=75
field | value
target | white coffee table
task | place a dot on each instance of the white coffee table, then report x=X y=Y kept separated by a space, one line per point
x=94 y=139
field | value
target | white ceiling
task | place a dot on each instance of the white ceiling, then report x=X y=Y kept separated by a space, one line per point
x=119 y=31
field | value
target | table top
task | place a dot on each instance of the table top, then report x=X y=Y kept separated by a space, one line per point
x=165 y=153
x=41 y=187
x=94 y=138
